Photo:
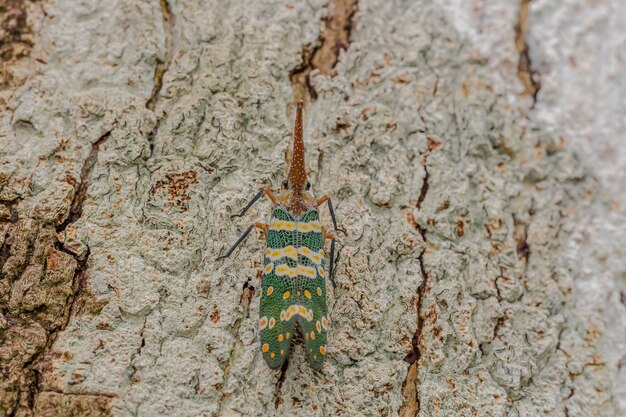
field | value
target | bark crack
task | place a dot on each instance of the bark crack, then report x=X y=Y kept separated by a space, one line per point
x=530 y=77
x=162 y=64
x=247 y=292
x=28 y=392
x=410 y=391
x=76 y=208
x=279 y=384
x=33 y=388
x=162 y=67
x=324 y=54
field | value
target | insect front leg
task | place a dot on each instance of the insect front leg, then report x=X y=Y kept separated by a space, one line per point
x=325 y=199
x=262 y=226
x=331 y=235
x=265 y=190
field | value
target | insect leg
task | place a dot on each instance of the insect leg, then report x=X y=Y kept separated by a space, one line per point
x=262 y=226
x=265 y=190
x=332 y=237
x=332 y=262
x=332 y=211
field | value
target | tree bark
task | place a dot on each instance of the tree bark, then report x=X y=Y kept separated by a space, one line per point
x=472 y=151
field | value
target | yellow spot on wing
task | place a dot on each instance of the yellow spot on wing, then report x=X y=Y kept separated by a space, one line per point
x=306 y=271
x=280 y=337
x=307 y=294
x=323 y=350
x=265 y=347
x=286 y=295
x=291 y=252
x=272 y=355
x=272 y=322
x=319 y=291
x=270 y=291
x=287 y=335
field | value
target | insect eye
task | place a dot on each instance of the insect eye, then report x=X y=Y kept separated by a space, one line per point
x=286 y=185
x=308 y=186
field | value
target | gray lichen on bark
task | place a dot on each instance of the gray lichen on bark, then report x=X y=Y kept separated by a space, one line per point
x=144 y=125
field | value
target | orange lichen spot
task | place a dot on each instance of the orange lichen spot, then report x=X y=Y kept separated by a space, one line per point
x=265 y=347
x=307 y=294
x=323 y=350
x=272 y=322
x=286 y=295
x=270 y=291
x=319 y=291
x=313 y=335
x=280 y=337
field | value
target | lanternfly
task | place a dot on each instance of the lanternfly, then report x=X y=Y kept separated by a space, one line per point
x=294 y=285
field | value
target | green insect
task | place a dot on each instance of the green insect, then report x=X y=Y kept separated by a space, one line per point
x=293 y=293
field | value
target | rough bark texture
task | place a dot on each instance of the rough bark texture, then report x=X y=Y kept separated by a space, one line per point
x=472 y=149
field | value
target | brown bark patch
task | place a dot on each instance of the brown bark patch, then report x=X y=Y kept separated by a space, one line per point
x=53 y=404
x=174 y=187
x=529 y=77
x=324 y=55
x=16 y=41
